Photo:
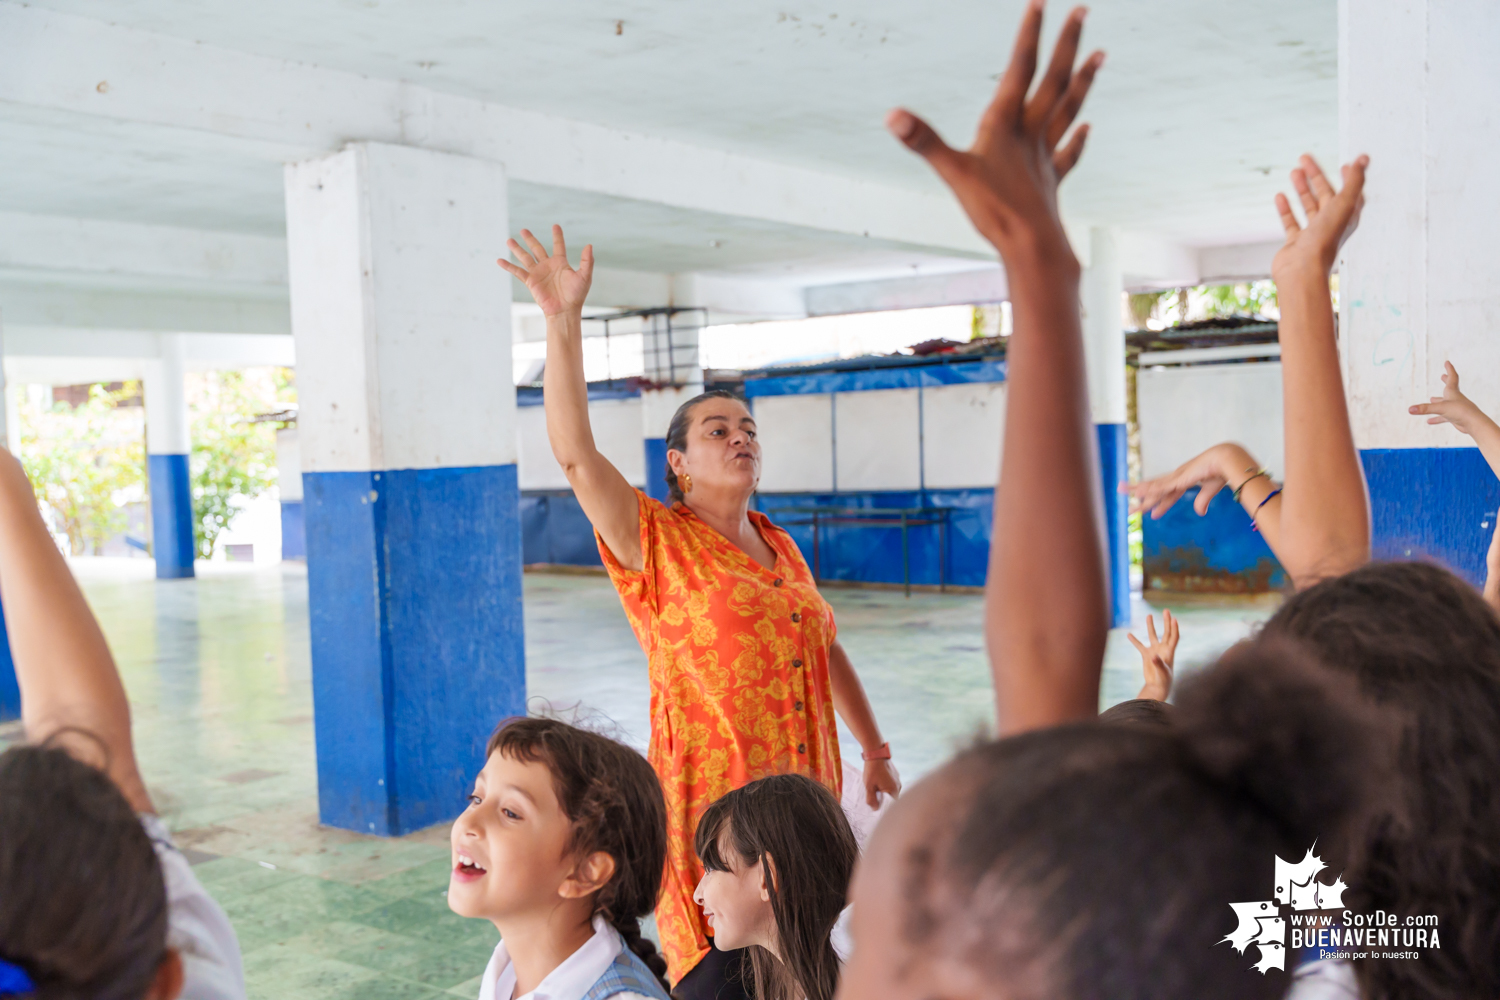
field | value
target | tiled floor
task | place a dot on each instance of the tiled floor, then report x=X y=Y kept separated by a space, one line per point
x=217 y=670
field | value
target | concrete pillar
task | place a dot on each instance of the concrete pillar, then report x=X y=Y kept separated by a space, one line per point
x=168 y=444
x=408 y=453
x=289 y=485
x=1104 y=353
x=10 y=433
x=1419 y=283
x=672 y=365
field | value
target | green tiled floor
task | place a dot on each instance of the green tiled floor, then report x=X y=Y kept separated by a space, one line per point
x=218 y=675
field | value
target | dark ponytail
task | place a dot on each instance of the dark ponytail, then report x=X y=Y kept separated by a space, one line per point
x=1100 y=860
x=677 y=432
x=614 y=801
x=802 y=827
x=83 y=904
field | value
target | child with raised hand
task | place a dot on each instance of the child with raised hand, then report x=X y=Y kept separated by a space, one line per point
x=1157 y=656
x=94 y=899
x=1321 y=527
x=777 y=855
x=562 y=848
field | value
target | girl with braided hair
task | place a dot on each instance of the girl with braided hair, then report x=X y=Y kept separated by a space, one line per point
x=562 y=848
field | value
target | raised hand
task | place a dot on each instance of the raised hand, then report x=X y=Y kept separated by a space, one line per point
x=1452 y=407
x=555 y=286
x=1158 y=656
x=1332 y=217
x=1220 y=466
x=1010 y=174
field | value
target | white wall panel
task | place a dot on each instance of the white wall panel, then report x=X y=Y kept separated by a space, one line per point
x=878 y=440
x=1184 y=411
x=963 y=427
x=617 y=433
x=796 y=439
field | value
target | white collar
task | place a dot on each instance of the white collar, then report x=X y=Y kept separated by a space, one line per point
x=569 y=981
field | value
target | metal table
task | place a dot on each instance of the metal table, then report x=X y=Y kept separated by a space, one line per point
x=905 y=518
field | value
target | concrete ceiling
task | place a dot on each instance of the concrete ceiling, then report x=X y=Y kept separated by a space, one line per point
x=1199 y=112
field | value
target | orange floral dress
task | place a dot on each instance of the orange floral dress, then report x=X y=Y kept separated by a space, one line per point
x=738 y=661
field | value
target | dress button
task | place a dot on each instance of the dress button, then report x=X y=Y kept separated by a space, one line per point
x=797 y=664
x=796 y=617
x=799 y=706
x=802 y=748
x=777 y=582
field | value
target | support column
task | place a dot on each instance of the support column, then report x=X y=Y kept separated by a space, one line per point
x=673 y=367
x=168 y=444
x=1104 y=352
x=408 y=453
x=1419 y=283
x=10 y=434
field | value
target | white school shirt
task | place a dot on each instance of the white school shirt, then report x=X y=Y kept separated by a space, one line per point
x=569 y=981
x=1324 y=979
x=197 y=928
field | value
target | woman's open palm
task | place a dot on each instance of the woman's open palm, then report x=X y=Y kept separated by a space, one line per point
x=555 y=286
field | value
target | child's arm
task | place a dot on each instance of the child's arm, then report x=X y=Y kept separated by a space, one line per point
x=1325 y=512
x=1046 y=604
x=1453 y=407
x=1223 y=466
x=1158 y=657
x=67 y=677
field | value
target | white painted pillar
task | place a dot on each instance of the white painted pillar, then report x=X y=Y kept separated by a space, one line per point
x=168 y=446
x=1104 y=355
x=407 y=433
x=1419 y=282
x=672 y=365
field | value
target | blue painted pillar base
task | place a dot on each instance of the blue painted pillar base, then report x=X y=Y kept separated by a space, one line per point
x=171 y=515
x=656 y=468
x=10 y=689
x=1432 y=503
x=1113 y=470
x=293 y=530
x=414 y=600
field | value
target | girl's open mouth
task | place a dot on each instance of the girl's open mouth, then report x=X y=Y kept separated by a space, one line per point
x=467 y=869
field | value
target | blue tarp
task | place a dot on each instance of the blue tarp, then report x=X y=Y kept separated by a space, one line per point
x=907 y=376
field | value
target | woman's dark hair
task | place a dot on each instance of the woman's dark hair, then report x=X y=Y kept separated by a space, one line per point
x=1417 y=638
x=677 y=432
x=812 y=851
x=1100 y=860
x=1138 y=712
x=614 y=801
x=83 y=904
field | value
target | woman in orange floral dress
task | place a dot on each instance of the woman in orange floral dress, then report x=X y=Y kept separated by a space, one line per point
x=746 y=672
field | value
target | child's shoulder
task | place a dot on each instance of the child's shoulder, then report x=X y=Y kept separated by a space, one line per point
x=627 y=978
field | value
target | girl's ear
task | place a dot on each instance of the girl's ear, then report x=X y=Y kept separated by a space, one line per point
x=591 y=874
x=768 y=877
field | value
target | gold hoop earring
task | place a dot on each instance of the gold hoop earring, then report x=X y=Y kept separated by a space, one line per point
x=686 y=481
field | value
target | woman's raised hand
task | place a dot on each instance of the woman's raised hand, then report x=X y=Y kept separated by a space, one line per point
x=1210 y=471
x=1332 y=217
x=1007 y=181
x=555 y=286
x=1158 y=656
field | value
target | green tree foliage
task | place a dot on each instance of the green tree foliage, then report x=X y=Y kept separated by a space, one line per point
x=86 y=463
x=1252 y=298
x=233 y=460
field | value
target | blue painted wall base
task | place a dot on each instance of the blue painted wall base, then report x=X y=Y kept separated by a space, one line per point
x=1432 y=503
x=656 y=468
x=1114 y=469
x=171 y=515
x=10 y=690
x=1217 y=553
x=293 y=530
x=554 y=530
x=414 y=599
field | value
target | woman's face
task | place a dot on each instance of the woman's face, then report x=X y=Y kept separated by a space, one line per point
x=722 y=454
x=509 y=846
x=736 y=903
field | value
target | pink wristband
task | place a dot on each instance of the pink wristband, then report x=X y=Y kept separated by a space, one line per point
x=882 y=752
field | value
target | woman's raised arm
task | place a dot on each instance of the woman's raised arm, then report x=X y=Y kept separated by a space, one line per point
x=1046 y=602
x=68 y=679
x=608 y=501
